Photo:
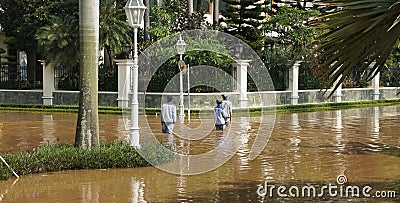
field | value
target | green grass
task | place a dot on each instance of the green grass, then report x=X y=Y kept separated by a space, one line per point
x=334 y=106
x=59 y=157
x=302 y=107
x=153 y=111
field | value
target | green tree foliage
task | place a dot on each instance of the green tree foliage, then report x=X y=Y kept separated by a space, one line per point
x=29 y=21
x=171 y=18
x=59 y=41
x=244 y=20
x=290 y=25
x=358 y=33
x=114 y=30
x=22 y=18
x=390 y=75
x=288 y=35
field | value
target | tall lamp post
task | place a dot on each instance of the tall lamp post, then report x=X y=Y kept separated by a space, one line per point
x=180 y=48
x=134 y=10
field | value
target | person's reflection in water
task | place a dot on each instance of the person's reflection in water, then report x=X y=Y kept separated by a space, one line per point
x=137 y=187
x=90 y=193
x=168 y=140
x=219 y=137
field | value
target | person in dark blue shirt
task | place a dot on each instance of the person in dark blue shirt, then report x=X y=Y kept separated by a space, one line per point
x=219 y=116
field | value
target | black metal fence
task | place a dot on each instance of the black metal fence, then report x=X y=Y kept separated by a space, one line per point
x=68 y=79
x=16 y=77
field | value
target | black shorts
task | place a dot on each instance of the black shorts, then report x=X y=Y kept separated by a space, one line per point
x=219 y=127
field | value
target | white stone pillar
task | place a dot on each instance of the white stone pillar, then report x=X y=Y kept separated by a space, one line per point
x=294 y=83
x=375 y=85
x=48 y=83
x=242 y=81
x=124 y=82
x=337 y=95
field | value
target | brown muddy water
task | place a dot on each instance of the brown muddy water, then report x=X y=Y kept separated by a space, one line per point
x=334 y=152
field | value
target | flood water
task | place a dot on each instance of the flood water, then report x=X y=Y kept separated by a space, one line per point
x=305 y=149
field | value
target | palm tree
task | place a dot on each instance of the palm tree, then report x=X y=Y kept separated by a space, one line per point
x=114 y=30
x=146 y=21
x=358 y=33
x=87 y=129
x=58 y=41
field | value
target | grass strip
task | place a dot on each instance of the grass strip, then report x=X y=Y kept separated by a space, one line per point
x=153 y=111
x=63 y=156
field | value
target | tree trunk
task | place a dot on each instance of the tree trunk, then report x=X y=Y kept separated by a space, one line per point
x=216 y=13
x=147 y=20
x=190 y=7
x=87 y=129
x=304 y=4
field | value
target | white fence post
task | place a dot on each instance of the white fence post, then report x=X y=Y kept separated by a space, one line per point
x=124 y=82
x=48 y=83
x=337 y=95
x=375 y=84
x=242 y=81
x=294 y=83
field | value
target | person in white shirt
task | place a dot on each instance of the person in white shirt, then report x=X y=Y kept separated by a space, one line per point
x=168 y=116
x=227 y=108
x=219 y=116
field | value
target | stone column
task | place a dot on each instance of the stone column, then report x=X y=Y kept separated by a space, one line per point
x=242 y=81
x=124 y=82
x=337 y=95
x=48 y=83
x=294 y=83
x=375 y=85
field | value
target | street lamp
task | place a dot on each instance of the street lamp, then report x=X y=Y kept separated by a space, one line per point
x=126 y=48
x=180 y=48
x=238 y=48
x=134 y=10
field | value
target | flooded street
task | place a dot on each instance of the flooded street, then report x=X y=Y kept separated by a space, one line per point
x=305 y=149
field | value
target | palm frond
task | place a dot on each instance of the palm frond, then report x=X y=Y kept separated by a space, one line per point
x=358 y=32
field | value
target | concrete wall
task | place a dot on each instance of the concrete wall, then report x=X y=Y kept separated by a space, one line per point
x=21 y=96
x=200 y=100
x=72 y=98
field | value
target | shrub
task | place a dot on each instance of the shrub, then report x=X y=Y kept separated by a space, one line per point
x=58 y=157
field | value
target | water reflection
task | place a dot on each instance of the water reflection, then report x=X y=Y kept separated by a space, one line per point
x=90 y=193
x=338 y=127
x=244 y=149
x=376 y=123
x=305 y=148
x=48 y=130
x=137 y=190
x=25 y=130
